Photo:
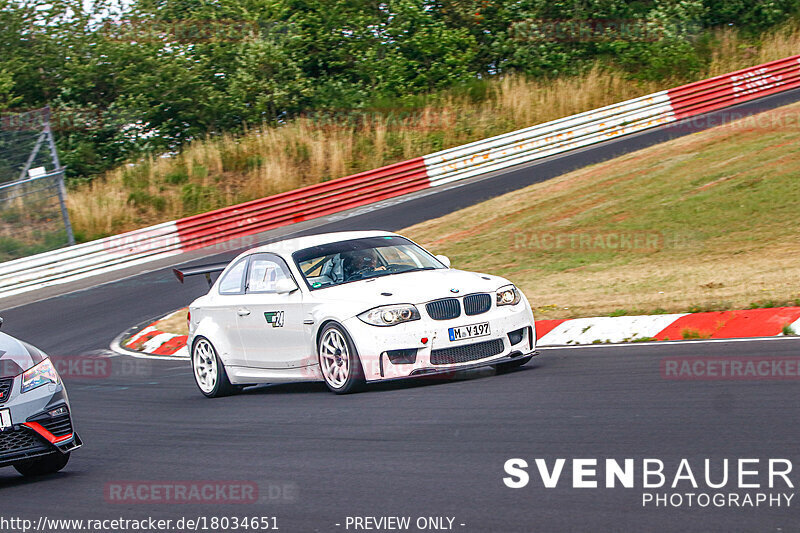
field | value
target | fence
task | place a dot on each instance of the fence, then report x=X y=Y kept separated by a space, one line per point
x=32 y=195
x=433 y=170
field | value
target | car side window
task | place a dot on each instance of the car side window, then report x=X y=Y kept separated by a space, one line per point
x=265 y=272
x=232 y=281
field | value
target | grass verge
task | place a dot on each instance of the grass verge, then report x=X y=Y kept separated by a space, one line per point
x=707 y=222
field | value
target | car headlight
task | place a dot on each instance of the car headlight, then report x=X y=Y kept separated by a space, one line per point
x=508 y=295
x=390 y=315
x=39 y=375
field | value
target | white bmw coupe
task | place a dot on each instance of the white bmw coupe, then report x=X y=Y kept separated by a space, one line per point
x=350 y=308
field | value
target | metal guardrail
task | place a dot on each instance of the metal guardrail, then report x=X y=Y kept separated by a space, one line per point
x=441 y=168
x=303 y=204
x=609 y=122
x=548 y=139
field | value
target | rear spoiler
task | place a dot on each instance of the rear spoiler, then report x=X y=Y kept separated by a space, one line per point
x=207 y=270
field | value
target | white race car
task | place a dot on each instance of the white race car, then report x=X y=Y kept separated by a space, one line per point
x=350 y=308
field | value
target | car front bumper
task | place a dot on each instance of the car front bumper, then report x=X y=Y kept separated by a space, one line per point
x=34 y=432
x=423 y=347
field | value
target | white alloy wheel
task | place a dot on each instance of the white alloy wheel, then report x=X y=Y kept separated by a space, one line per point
x=204 y=361
x=334 y=358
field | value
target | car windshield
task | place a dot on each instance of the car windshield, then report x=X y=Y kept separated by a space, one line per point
x=13 y=362
x=345 y=261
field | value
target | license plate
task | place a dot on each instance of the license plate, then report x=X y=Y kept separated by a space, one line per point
x=469 y=332
x=5 y=419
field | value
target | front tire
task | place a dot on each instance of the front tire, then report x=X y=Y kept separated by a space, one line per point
x=40 y=466
x=208 y=370
x=339 y=361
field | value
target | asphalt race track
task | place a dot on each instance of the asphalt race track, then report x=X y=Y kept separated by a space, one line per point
x=425 y=447
x=421 y=448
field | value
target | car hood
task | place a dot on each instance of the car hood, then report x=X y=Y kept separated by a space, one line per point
x=411 y=287
x=16 y=356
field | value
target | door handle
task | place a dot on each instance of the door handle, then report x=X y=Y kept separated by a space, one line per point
x=243 y=312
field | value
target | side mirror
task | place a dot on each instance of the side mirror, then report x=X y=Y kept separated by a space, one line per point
x=444 y=260
x=285 y=286
x=1 y=322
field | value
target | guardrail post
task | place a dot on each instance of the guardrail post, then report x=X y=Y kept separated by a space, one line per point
x=62 y=190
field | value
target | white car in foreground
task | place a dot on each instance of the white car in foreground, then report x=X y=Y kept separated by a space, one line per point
x=350 y=308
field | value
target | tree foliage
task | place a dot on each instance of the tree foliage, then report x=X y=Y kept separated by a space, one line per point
x=155 y=74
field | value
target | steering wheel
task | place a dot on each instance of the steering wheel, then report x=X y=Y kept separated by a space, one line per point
x=394 y=269
x=359 y=274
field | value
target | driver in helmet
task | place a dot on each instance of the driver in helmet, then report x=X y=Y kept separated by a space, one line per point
x=359 y=264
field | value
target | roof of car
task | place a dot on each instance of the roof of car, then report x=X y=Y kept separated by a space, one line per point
x=299 y=243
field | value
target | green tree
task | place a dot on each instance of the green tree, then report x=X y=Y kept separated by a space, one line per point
x=420 y=51
x=148 y=76
x=749 y=15
x=7 y=98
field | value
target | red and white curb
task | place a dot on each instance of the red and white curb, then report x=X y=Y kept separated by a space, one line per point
x=742 y=324
x=152 y=341
x=747 y=323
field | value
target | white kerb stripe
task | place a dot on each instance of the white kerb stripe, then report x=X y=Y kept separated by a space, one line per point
x=611 y=329
x=156 y=342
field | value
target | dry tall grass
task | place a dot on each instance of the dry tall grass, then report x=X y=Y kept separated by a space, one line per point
x=731 y=53
x=224 y=170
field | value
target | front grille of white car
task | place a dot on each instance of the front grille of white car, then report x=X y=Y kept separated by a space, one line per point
x=475 y=304
x=467 y=352
x=445 y=309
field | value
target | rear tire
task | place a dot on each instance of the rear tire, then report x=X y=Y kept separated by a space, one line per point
x=40 y=466
x=338 y=360
x=504 y=368
x=209 y=372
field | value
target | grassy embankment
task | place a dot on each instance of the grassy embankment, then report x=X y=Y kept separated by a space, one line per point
x=717 y=215
x=226 y=170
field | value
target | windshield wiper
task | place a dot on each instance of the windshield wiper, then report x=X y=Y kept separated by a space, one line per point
x=415 y=269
